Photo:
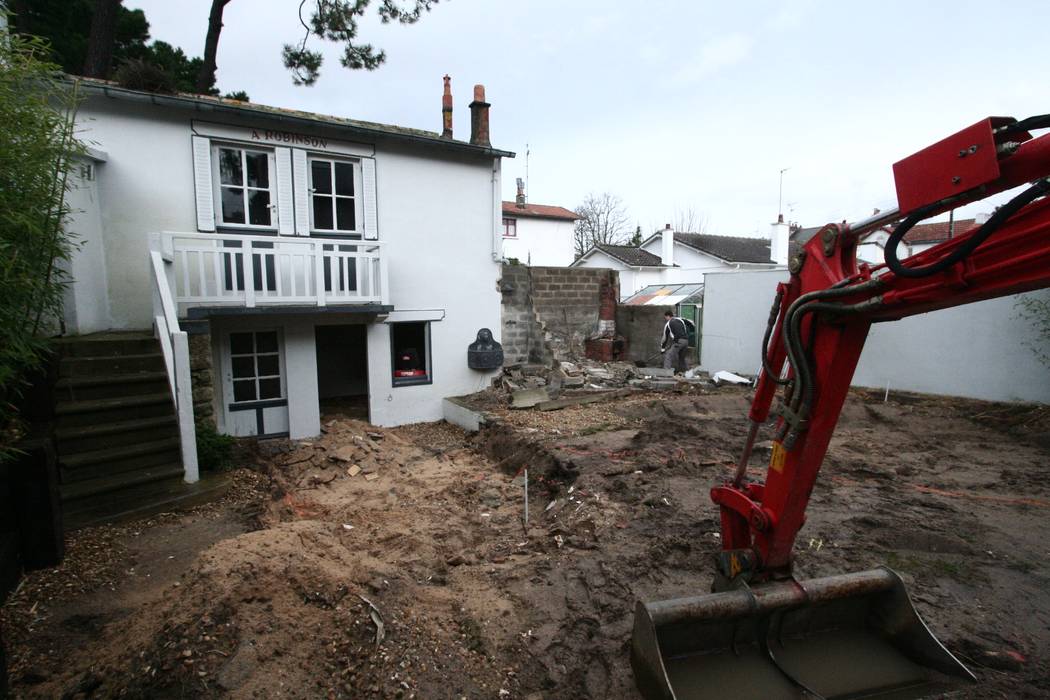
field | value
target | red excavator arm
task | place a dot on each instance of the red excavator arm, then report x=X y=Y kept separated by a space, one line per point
x=821 y=317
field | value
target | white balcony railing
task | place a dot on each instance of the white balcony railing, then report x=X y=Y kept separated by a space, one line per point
x=222 y=269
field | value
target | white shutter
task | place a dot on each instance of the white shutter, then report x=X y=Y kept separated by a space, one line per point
x=368 y=189
x=285 y=208
x=202 y=184
x=301 y=173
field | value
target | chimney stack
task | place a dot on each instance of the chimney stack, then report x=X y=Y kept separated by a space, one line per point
x=780 y=241
x=667 y=245
x=519 y=201
x=446 y=110
x=479 y=118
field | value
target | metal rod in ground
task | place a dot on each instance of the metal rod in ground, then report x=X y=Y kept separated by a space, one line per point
x=526 y=496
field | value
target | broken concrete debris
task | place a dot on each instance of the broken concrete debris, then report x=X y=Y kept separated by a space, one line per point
x=562 y=384
x=724 y=377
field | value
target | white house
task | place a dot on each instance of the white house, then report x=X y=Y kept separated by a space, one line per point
x=318 y=256
x=670 y=257
x=538 y=234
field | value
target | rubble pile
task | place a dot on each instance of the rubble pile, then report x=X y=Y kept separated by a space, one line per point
x=536 y=385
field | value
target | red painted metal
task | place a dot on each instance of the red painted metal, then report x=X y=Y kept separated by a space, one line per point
x=1016 y=258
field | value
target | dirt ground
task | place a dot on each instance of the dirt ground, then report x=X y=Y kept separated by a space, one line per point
x=394 y=563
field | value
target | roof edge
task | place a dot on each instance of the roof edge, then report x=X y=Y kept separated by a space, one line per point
x=202 y=104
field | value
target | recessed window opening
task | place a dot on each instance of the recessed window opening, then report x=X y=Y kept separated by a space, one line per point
x=410 y=346
x=333 y=196
x=245 y=187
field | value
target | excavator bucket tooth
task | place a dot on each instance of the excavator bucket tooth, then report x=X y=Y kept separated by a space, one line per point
x=850 y=636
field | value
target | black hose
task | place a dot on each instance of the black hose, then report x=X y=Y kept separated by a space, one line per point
x=1041 y=121
x=1039 y=189
x=774 y=313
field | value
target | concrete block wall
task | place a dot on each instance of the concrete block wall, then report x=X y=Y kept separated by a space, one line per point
x=643 y=326
x=549 y=312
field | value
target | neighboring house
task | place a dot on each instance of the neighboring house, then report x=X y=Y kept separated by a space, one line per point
x=540 y=235
x=871 y=248
x=310 y=256
x=670 y=257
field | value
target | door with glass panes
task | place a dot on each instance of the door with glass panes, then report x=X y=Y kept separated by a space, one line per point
x=255 y=398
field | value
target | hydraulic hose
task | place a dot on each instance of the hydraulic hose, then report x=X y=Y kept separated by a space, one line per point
x=1039 y=189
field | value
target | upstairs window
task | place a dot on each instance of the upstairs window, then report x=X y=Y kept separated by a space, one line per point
x=510 y=228
x=334 y=197
x=245 y=187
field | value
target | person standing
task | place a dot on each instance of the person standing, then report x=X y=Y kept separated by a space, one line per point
x=675 y=342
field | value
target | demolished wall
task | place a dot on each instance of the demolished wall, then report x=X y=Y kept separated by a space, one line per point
x=643 y=326
x=550 y=312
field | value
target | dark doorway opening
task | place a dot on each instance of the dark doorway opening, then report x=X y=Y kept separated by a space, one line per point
x=342 y=369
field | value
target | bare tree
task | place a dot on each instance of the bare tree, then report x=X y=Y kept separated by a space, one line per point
x=206 y=76
x=603 y=219
x=689 y=220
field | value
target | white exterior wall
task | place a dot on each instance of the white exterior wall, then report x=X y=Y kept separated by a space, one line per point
x=979 y=350
x=438 y=215
x=86 y=306
x=541 y=242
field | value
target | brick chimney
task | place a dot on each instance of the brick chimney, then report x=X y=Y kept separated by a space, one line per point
x=479 y=118
x=446 y=110
x=519 y=201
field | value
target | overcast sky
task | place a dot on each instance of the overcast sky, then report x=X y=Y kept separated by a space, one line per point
x=671 y=106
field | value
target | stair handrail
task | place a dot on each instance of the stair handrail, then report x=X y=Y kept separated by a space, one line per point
x=174 y=343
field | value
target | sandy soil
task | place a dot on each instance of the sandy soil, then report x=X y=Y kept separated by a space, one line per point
x=417 y=532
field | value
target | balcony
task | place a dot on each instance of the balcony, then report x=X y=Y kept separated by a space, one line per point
x=230 y=270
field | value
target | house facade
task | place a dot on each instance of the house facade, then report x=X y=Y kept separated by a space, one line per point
x=669 y=257
x=538 y=234
x=311 y=257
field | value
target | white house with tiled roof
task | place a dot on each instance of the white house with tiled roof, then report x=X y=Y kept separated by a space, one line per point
x=670 y=257
x=302 y=257
x=538 y=234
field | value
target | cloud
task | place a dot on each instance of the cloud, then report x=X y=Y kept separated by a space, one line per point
x=717 y=54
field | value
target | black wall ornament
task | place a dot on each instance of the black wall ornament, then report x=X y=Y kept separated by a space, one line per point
x=485 y=352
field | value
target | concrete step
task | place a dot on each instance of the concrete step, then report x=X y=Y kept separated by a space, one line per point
x=117 y=364
x=114 y=460
x=98 y=436
x=106 y=386
x=142 y=500
x=108 y=344
x=88 y=488
x=122 y=408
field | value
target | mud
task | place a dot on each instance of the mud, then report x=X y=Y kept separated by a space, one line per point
x=276 y=600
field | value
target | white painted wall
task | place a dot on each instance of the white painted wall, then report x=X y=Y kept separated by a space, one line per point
x=437 y=216
x=86 y=307
x=549 y=242
x=978 y=350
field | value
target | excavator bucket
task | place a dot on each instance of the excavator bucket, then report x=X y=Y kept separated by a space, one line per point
x=851 y=636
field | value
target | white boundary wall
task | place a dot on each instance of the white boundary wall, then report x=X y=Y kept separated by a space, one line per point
x=979 y=350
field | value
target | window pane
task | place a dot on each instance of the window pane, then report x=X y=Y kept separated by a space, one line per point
x=243 y=367
x=259 y=207
x=266 y=341
x=230 y=167
x=321 y=171
x=258 y=169
x=269 y=388
x=269 y=365
x=344 y=179
x=233 y=205
x=344 y=212
x=323 y=213
x=241 y=343
x=244 y=390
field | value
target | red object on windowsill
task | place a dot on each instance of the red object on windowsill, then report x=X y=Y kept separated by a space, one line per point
x=410 y=373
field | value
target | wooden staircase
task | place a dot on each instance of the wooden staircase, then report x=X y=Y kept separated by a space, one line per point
x=116 y=432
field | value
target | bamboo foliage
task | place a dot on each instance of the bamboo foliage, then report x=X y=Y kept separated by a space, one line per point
x=38 y=151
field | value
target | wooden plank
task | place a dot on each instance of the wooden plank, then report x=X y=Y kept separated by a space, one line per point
x=585 y=399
